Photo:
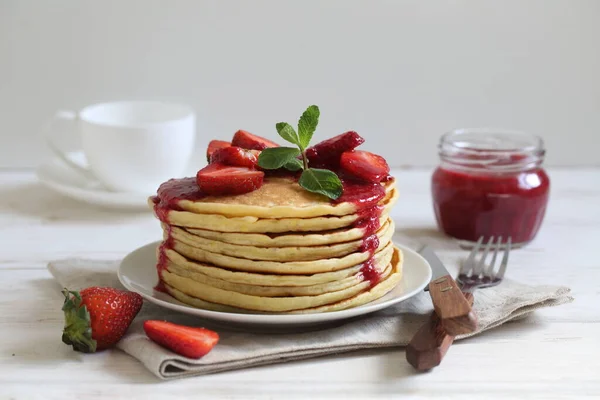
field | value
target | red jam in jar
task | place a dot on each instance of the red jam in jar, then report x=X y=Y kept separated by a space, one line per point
x=490 y=183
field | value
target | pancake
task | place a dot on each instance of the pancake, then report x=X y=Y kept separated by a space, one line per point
x=278 y=197
x=259 y=303
x=376 y=292
x=205 y=305
x=220 y=223
x=380 y=259
x=275 y=267
x=287 y=239
x=277 y=254
x=196 y=297
x=276 y=291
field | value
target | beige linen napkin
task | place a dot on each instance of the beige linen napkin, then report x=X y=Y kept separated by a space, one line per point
x=239 y=348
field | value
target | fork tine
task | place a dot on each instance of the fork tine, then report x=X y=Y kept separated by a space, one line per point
x=489 y=270
x=479 y=268
x=504 y=262
x=470 y=261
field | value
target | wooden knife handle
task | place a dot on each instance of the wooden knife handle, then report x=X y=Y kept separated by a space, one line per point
x=452 y=307
x=431 y=342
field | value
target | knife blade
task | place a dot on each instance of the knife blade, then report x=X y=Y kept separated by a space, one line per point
x=449 y=303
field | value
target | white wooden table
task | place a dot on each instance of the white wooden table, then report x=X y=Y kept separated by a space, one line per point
x=555 y=353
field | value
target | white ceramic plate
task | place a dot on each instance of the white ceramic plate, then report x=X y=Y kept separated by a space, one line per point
x=137 y=273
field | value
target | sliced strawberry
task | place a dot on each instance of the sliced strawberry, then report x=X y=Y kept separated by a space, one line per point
x=219 y=179
x=235 y=156
x=215 y=145
x=327 y=153
x=246 y=140
x=184 y=340
x=364 y=166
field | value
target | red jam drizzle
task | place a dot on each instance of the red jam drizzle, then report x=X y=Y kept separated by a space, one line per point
x=160 y=286
x=366 y=197
x=368 y=219
x=162 y=256
x=168 y=195
x=369 y=244
x=171 y=192
x=470 y=205
x=387 y=179
x=363 y=195
x=370 y=272
x=162 y=263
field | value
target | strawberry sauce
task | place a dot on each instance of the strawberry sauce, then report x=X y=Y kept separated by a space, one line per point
x=370 y=244
x=368 y=219
x=171 y=192
x=470 y=205
x=370 y=272
x=168 y=195
x=160 y=286
x=161 y=265
x=366 y=197
x=362 y=194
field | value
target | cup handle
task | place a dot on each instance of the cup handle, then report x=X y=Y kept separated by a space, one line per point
x=48 y=132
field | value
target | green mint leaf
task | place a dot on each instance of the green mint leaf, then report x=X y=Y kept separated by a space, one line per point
x=321 y=181
x=286 y=131
x=277 y=157
x=307 y=124
x=294 y=165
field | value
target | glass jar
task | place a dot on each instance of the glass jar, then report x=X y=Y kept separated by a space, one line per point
x=490 y=183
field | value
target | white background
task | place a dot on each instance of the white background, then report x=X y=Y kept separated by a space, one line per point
x=398 y=72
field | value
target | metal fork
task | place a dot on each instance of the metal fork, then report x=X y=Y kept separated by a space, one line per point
x=475 y=274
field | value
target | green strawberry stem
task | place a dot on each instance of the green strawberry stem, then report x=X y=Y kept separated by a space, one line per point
x=78 y=330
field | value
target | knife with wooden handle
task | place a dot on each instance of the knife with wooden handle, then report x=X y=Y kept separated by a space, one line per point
x=449 y=302
x=431 y=342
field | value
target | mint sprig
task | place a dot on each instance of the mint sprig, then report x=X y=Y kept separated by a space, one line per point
x=277 y=157
x=294 y=165
x=307 y=125
x=321 y=181
x=286 y=131
x=314 y=180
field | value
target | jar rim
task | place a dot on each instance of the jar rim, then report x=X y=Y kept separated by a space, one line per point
x=492 y=140
x=491 y=150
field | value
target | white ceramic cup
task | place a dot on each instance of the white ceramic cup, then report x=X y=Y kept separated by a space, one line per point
x=131 y=146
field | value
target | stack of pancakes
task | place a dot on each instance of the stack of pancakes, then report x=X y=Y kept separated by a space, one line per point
x=279 y=249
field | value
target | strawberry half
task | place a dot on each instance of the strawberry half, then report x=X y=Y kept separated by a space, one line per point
x=186 y=341
x=364 y=166
x=215 y=145
x=235 y=156
x=327 y=153
x=248 y=141
x=96 y=318
x=219 y=179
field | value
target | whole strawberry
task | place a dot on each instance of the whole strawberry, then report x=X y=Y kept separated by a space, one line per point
x=97 y=317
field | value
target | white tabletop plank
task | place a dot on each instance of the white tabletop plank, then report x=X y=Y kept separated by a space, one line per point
x=552 y=354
